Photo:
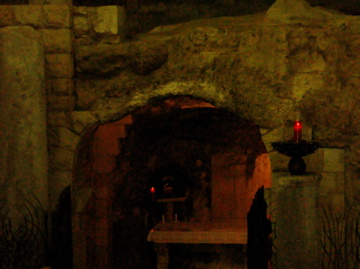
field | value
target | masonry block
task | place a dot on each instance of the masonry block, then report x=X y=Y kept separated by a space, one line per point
x=61 y=103
x=60 y=86
x=58 y=119
x=59 y=65
x=29 y=15
x=80 y=10
x=62 y=137
x=57 y=16
x=7 y=15
x=58 y=40
x=81 y=120
x=109 y=20
x=81 y=25
x=61 y=159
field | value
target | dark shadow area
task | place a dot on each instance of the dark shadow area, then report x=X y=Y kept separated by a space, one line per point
x=61 y=236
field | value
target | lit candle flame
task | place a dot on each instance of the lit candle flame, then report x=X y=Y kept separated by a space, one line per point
x=297 y=131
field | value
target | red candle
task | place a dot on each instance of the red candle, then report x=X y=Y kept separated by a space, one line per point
x=152 y=190
x=297 y=131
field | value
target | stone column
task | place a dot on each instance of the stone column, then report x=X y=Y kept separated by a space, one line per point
x=23 y=138
x=297 y=220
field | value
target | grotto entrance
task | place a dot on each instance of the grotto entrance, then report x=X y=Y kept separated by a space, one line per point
x=211 y=161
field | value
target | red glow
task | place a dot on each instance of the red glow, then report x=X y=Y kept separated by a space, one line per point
x=152 y=190
x=297 y=131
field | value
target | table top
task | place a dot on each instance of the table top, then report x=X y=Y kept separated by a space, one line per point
x=198 y=233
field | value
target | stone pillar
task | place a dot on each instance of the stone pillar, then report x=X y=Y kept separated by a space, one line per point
x=23 y=138
x=297 y=221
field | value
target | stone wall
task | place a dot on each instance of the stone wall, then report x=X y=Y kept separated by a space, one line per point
x=261 y=67
x=229 y=62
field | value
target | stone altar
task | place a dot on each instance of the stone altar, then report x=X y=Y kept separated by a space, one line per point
x=194 y=233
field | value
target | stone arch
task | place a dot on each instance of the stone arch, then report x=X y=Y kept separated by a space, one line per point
x=93 y=170
x=111 y=109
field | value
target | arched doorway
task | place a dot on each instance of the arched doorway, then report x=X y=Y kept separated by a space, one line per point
x=216 y=158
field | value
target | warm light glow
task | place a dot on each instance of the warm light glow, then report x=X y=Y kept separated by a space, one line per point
x=297 y=131
x=152 y=190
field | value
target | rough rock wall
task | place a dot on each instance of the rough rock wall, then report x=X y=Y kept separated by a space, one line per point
x=262 y=67
x=265 y=69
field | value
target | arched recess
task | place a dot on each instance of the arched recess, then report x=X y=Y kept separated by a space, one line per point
x=222 y=156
